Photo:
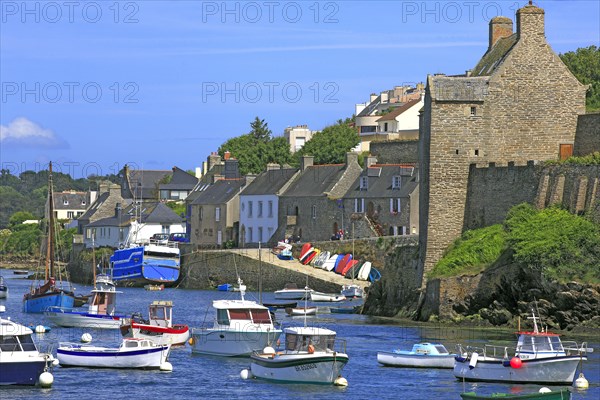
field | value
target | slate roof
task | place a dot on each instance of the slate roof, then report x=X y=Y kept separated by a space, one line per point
x=316 y=180
x=270 y=182
x=380 y=178
x=94 y=207
x=461 y=88
x=111 y=221
x=205 y=182
x=149 y=183
x=156 y=213
x=397 y=111
x=180 y=180
x=75 y=200
x=220 y=192
x=368 y=110
x=491 y=60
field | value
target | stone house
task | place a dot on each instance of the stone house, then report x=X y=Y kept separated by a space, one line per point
x=179 y=186
x=383 y=200
x=312 y=206
x=519 y=103
x=109 y=195
x=259 y=205
x=141 y=184
x=71 y=204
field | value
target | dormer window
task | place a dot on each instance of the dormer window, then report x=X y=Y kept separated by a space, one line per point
x=83 y=202
x=397 y=182
x=65 y=202
x=364 y=182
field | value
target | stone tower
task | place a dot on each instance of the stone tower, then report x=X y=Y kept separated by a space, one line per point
x=519 y=103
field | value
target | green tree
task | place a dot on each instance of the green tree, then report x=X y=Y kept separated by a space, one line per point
x=20 y=216
x=330 y=145
x=260 y=130
x=584 y=63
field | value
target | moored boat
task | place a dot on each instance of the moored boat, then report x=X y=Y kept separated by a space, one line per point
x=132 y=353
x=154 y=288
x=301 y=311
x=352 y=290
x=422 y=355
x=291 y=291
x=3 y=288
x=539 y=357
x=159 y=327
x=563 y=394
x=322 y=297
x=21 y=363
x=153 y=262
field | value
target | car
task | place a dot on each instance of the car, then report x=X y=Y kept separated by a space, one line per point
x=178 y=237
x=160 y=238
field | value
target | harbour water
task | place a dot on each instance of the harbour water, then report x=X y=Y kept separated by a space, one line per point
x=205 y=377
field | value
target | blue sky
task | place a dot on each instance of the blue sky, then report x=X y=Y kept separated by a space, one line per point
x=93 y=85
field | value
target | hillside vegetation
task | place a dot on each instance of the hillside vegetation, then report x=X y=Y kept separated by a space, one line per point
x=562 y=246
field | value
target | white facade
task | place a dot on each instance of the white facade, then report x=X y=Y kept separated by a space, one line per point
x=113 y=236
x=407 y=122
x=258 y=218
x=297 y=136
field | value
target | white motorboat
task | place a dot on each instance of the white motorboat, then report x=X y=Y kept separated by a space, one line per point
x=101 y=313
x=240 y=327
x=352 y=290
x=159 y=327
x=320 y=297
x=539 y=357
x=132 y=353
x=311 y=355
x=21 y=363
x=3 y=288
x=301 y=311
x=291 y=291
x=424 y=355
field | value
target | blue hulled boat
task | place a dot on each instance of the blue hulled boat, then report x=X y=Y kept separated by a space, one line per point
x=146 y=263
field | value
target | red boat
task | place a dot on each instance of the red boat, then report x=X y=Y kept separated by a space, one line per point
x=159 y=328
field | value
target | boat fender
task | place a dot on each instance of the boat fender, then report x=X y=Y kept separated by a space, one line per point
x=191 y=341
x=86 y=338
x=340 y=381
x=544 y=390
x=166 y=367
x=516 y=362
x=473 y=361
x=311 y=349
x=246 y=374
x=46 y=379
x=581 y=382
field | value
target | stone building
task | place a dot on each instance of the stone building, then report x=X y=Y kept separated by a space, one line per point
x=109 y=195
x=519 y=103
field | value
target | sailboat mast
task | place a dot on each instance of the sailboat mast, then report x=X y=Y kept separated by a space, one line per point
x=94 y=261
x=51 y=233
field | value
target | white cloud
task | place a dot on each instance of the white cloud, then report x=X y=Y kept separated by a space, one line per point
x=25 y=133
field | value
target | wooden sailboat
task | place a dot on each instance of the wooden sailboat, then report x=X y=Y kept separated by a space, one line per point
x=48 y=294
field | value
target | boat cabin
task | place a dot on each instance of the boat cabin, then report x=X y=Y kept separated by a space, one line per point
x=539 y=345
x=240 y=313
x=104 y=297
x=133 y=343
x=160 y=313
x=15 y=337
x=431 y=349
x=309 y=340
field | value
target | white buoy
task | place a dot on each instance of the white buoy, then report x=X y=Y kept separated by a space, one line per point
x=40 y=329
x=545 y=390
x=166 y=367
x=2 y=308
x=581 y=382
x=340 y=381
x=46 y=379
x=86 y=338
x=246 y=374
x=269 y=350
x=55 y=362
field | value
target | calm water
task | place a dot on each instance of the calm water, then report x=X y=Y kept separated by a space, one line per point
x=197 y=376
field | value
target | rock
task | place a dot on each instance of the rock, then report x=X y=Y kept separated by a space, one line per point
x=590 y=295
x=565 y=300
x=575 y=286
x=497 y=316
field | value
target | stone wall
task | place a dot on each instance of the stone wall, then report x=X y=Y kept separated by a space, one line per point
x=396 y=151
x=587 y=138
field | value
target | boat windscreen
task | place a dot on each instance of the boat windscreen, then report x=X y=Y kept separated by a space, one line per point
x=261 y=317
x=441 y=349
x=236 y=313
x=27 y=343
x=9 y=343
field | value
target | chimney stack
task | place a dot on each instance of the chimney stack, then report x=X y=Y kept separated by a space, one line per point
x=226 y=155
x=307 y=161
x=530 y=23
x=231 y=170
x=500 y=27
x=351 y=157
x=213 y=159
x=370 y=160
x=118 y=210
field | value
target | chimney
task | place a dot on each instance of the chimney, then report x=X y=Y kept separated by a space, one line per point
x=307 y=161
x=231 y=170
x=372 y=97
x=273 y=167
x=114 y=189
x=530 y=23
x=370 y=160
x=500 y=27
x=198 y=172
x=118 y=210
x=213 y=159
x=103 y=187
x=384 y=97
x=226 y=155
x=351 y=158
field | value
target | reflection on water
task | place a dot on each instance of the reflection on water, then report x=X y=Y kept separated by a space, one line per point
x=207 y=377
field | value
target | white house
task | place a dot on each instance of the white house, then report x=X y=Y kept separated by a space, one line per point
x=259 y=205
x=402 y=122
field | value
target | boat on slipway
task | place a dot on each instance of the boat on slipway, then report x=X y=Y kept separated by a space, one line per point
x=422 y=355
x=539 y=357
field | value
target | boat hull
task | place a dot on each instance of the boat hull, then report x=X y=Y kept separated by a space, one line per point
x=176 y=336
x=232 y=343
x=290 y=294
x=302 y=368
x=100 y=357
x=21 y=372
x=73 y=319
x=560 y=395
x=134 y=266
x=326 y=297
x=392 y=359
x=549 y=371
x=39 y=303
x=3 y=292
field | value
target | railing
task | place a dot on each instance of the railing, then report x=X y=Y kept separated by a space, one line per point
x=503 y=352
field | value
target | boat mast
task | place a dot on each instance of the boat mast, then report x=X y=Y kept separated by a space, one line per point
x=94 y=261
x=259 y=275
x=51 y=238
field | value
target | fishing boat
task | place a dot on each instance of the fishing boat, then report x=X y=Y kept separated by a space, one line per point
x=330 y=297
x=539 y=357
x=48 y=294
x=423 y=355
x=301 y=311
x=239 y=328
x=158 y=327
x=154 y=288
x=547 y=394
x=291 y=291
x=101 y=312
x=132 y=353
x=3 y=288
x=352 y=290
x=21 y=363
x=153 y=262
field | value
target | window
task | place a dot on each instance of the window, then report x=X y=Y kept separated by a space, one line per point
x=65 y=202
x=476 y=152
x=270 y=205
x=260 y=209
x=249 y=209
x=395 y=206
x=396 y=182
x=364 y=182
x=27 y=343
x=261 y=317
x=239 y=314
x=217 y=214
x=359 y=205
x=70 y=214
x=473 y=111
x=314 y=212
x=385 y=127
x=250 y=234
x=219 y=237
x=83 y=202
x=165 y=229
x=260 y=234
x=222 y=317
